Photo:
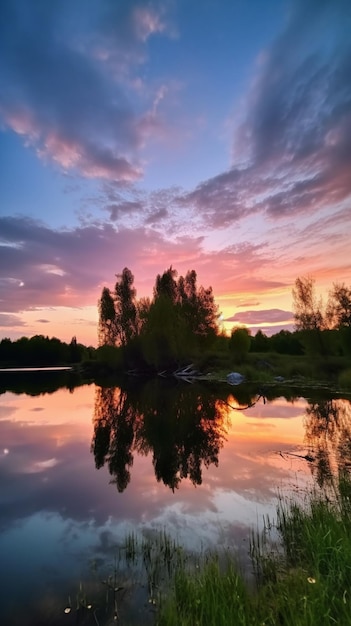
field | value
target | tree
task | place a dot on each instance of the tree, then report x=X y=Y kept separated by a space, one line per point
x=166 y=285
x=339 y=316
x=207 y=325
x=308 y=312
x=260 y=342
x=308 y=315
x=107 y=318
x=125 y=307
x=339 y=306
x=239 y=343
x=163 y=335
x=163 y=332
x=285 y=342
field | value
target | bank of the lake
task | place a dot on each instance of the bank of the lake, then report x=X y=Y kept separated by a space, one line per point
x=303 y=580
x=259 y=370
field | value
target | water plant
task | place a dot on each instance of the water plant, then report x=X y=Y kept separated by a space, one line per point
x=302 y=580
x=301 y=573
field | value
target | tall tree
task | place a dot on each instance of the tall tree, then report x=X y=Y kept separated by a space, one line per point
x=125 y=307
x=339 y=306
x=107 y=319
x=309 y=318
x=239 y=343
x=166 y=285
x=207 y=313
x=308 y=311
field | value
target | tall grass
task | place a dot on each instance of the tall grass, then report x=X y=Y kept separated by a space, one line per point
x=301 y=567
x=304 y=580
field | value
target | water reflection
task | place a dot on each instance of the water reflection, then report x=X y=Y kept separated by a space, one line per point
x=57 y=512
x=183 y=427
x=180 y=426
x=328 y=436
x=35 y=382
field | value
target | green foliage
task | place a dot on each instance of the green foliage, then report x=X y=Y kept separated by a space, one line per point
x=308 y=311
x=162 y=333
x=345 y=379
x=345 y=340
x=209 y=596
x=260 y=342
x=125 y=307
x=318 y=326
x=107 y=316
x=301 y=582
x=111 y=356
x=239 y=344
x=286 y=342
x=163 y=336
x=339 y=306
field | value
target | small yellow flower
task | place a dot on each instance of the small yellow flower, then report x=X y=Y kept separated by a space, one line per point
x=311 y=580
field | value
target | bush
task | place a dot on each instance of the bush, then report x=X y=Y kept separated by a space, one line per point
x=345 y=379
x=110 y=356
x=239 y=344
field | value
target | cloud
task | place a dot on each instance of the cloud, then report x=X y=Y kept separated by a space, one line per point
x=40 y=266
x=126 y=207
x=261 y=317
x=66 y=74
x=272 y=330
x=292 y=148
x=246 y=303
x=43 y=321
x=7 y=320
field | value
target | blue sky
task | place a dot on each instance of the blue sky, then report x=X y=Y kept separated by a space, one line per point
x=212 y=135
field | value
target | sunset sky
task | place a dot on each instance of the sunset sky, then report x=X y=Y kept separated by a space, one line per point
x=212 y=135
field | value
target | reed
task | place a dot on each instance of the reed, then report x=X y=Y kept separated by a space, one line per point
x=302 y=580
x=301 y=564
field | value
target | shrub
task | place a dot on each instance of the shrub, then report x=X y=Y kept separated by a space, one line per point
x=345 y=379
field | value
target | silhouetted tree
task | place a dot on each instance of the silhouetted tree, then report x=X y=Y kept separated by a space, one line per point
x=260 y=342
x=125 y=307
x=339 y=306
x=239 y=343
x=308 y=312
x=107 y=319
x=166 y=285
x=309 y=319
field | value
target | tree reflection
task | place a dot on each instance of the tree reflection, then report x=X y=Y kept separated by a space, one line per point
x=181 y=426
x=328 y=434
x=113 y=435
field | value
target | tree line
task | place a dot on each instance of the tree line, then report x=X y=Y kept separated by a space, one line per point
x=41 y=350
x=179 y=325
x=324 y=328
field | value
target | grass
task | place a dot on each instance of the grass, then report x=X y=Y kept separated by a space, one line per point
x=333 y=372
x=304 y=581
x=301 y=567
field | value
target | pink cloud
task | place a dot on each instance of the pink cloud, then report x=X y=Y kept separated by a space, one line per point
x=68 y=94
x=54 y=268
x=261 y=317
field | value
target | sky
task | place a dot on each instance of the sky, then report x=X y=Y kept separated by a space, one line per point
x=212 y=135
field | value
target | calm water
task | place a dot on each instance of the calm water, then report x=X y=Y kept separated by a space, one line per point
x=82 y=466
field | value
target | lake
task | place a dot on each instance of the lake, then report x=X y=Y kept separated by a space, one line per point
x=83 y=466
